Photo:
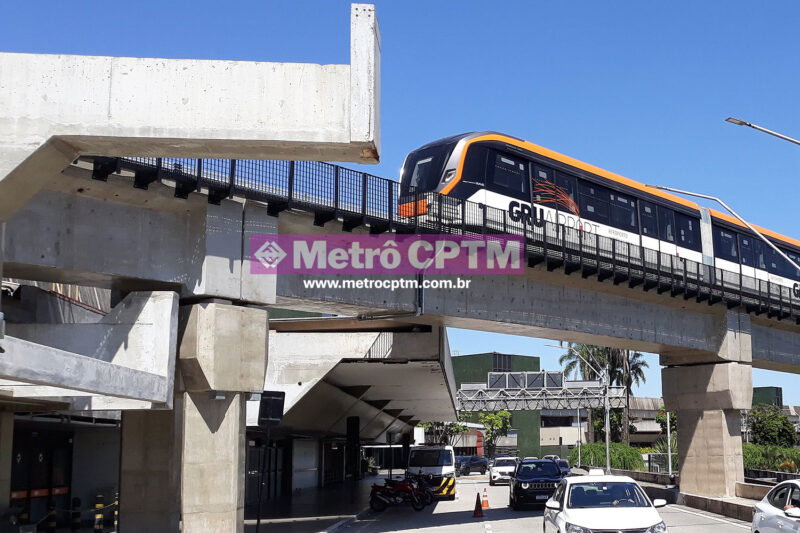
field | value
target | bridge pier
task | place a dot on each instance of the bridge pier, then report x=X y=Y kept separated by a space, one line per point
x=184 y=469
x=707 y=391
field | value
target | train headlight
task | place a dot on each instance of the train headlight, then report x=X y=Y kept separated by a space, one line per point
x=449 y=175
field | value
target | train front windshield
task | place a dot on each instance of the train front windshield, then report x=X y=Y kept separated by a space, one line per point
x=423 y=169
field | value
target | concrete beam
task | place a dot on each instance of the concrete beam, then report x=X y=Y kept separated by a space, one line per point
x=58 y=107
x=34 y=363
x=137 y=339
x=127 y=239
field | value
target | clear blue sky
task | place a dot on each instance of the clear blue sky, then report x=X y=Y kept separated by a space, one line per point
x=639 y=88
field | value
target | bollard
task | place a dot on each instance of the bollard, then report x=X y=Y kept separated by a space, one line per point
x=116 y=512
x=76 y=515
x=98 y=514
x=50 y=526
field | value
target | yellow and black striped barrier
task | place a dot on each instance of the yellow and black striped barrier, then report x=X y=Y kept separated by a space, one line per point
x=116 y=512
x=446 y=488
x=98 y=514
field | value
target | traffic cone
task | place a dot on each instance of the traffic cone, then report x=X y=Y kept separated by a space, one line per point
x=478 y=512
x=485 y=502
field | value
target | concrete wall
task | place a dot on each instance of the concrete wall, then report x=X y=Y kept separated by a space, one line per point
x=568 y=435
x=58 y=107
x=95 y=463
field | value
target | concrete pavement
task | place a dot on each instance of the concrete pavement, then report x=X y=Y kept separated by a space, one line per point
x=456 y=516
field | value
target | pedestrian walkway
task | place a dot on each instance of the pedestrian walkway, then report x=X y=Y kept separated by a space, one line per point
x=314 y=510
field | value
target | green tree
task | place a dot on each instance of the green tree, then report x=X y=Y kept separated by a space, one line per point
x=769 y=426
x=445 y=431
x=661 y=418
x=495 y=425
x=617 y=419
x=633 y=365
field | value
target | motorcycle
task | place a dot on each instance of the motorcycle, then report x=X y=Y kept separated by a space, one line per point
x=395 y=492
x=424 y=485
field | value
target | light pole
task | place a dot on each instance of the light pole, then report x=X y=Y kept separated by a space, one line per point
x=732 y=212
x=604 y=377
x=740 y=122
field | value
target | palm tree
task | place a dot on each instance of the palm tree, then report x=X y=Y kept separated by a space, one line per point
x=624 y=369
x=575 y=364
x=628 y=369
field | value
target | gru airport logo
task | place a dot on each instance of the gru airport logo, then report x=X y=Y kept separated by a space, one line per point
x=386 y=254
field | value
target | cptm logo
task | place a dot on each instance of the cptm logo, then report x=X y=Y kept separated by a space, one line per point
x=270 y=254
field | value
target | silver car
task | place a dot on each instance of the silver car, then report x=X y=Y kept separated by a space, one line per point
x=779 y=511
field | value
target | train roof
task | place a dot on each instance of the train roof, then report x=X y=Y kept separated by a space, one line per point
x=622 y=180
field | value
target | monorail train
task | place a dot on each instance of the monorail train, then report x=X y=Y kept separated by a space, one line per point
x=535 y=184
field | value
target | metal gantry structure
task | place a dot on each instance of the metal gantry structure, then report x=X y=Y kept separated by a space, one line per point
x=524 y=391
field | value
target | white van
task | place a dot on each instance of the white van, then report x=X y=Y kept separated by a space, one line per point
x=438 y=462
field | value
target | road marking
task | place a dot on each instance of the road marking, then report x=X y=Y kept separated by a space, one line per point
x=711 y=517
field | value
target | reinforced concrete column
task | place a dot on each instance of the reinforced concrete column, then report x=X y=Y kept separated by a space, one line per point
x=186 y=467
x=707 y=391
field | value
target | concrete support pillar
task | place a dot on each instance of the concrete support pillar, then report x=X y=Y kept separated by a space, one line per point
x=707 y=391
x=185 y=468
x=6 y=445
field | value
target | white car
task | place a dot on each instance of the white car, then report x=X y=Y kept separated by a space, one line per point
x=779 y=511
x=501 y=470
x=597 y=502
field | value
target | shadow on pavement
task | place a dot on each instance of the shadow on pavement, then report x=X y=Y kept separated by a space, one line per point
x=390 y=519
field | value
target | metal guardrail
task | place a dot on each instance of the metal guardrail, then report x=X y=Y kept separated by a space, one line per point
x=360 y=199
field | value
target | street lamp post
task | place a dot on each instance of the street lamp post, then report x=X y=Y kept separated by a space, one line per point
x=740 y=122
x=607 y=422
x=732 y=212
x=606 y=404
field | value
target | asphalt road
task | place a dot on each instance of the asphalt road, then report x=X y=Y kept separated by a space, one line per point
x=456 y=516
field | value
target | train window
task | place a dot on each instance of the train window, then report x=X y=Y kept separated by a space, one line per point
x=593 y=202
x=623 y=212
x=423 y=169
x=791 y=270
x=509 y=174
x=475 y=165
x=568 y=184
x=759 y=249
x=747 y=250
x=774 y=261
x=542 y=180
x=688 y=231
x=666 y=224
x=647 y=214
x=726 y=245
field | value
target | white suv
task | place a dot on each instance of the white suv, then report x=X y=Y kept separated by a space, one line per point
x=582 y=504
x=501 y=470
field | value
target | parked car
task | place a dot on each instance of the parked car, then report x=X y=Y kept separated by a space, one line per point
x=533 y=482
x=552 y=457
x=779 y=511
x=582 y=504
x=563 y=465
x=473 y=463
x=501 y=470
